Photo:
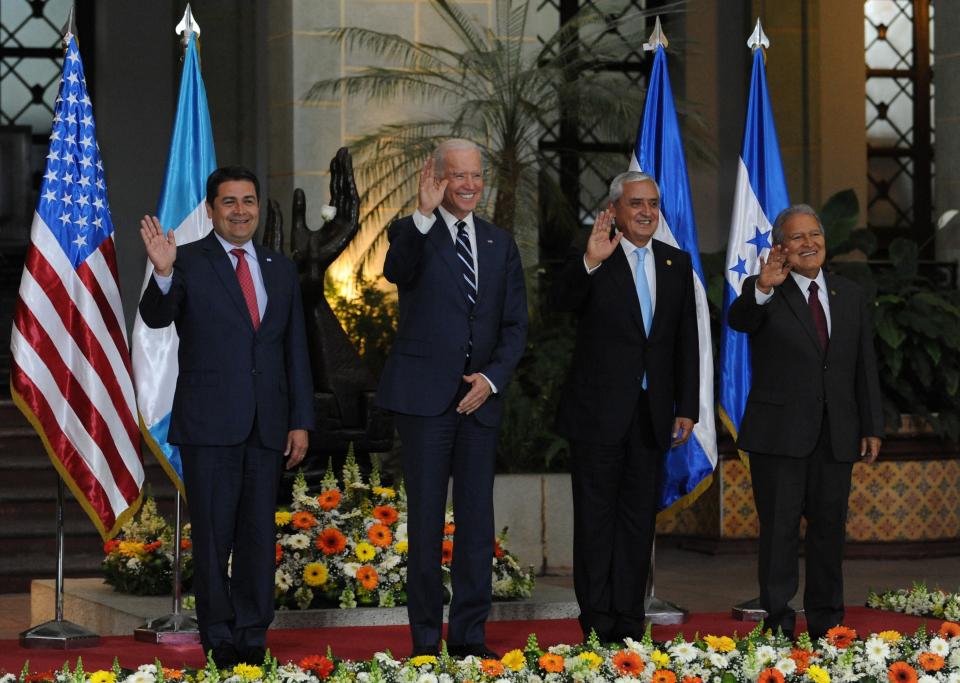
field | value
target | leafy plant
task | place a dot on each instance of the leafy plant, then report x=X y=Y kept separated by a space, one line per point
x=369 y=319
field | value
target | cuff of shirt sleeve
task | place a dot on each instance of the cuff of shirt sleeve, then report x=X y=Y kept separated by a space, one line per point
x=423 y=223
x=163 y=282
x=761 y=297
x=588 y=268
x=493 y=387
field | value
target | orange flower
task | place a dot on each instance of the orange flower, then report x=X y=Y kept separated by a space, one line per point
x=663 y=676
x=39 y=676
x=303 y=520
x=841 y=636
x=948 y=630
x=386 y=514
x=628 y=663
x=497 y=548
x=279 y=554
x=551 y=663
x=448 y=529
x=801 y=658
x=930 y=662
x=491 y=667
x=367 y=576
x=771 y=675
x=329 y=499
x=446 y=552
x=317 y=664
x=185 y=544
x=691 y=679
x=172 y=674
x=151 y=547
x=380 y=536
x=110 y=546
x=901 y=672
x=331 y=541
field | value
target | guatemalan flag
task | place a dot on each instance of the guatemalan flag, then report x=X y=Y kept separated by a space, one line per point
x=761 y=193
x=659 y=152
x=70 y=369
x=191 y=160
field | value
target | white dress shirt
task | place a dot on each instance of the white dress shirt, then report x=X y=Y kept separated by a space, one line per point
x=803 y=283
x=649 y=267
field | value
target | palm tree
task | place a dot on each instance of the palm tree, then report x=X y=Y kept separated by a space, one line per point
x=498 y=91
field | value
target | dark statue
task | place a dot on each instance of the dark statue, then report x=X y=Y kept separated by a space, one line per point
x=343 y=386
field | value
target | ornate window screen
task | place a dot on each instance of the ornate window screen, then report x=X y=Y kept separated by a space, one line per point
x=898 y=41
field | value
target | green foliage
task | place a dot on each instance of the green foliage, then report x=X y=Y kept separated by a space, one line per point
x=369 y=319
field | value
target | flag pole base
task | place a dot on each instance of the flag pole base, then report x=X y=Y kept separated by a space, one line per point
x=172 y=629
x=58 y=635
x=665 y=612
x=750 y=610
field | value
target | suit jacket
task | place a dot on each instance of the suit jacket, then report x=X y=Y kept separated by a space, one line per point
x=613 y=352
x=230 y=373
x=794 y=382
x=426 y=363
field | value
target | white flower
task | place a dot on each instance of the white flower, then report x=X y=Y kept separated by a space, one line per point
x=445 y=678
x=876 y=649
x=953 y=677
x=327 y=212
x=927 y=678
x=350 y=569
x=427 y=678
x=389 y=562
x=140 y=677
x=401 y=532
x=8 y=678
x=717 y=660
x=282 y=580
x=133 y=563
x=684 y=652
x=939 y=646
x=148 y=668
x=363 y=677
x=297 y=541
x=765 y=654
x=786 y=666
x=954 y=660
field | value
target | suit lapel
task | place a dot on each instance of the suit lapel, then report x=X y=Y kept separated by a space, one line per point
x=664 y=276
x=220 y=262
x=801 y=309
x=623 y=282
x=840 y=312
x=483 y=236
x=270 y=275
x=439 y=236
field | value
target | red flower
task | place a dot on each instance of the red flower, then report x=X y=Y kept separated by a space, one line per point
x=303 y=520
x=331 y=541
x=841 y=636
x=185 y=544
x=279 y=554
x=329 y=499
x=448 y=529
x=151 y=547
x=367 y=576
x=446 y=552
x=801 y=658
x=691 y=679
x=386 y=514
x=110 y=546
x=497 y=548
x=39 y=676
x=901 y=672
x=948 y=630
x=771 y=675
x=930 y=662
x=380 y=536
x=317 y=664
x=628 y=663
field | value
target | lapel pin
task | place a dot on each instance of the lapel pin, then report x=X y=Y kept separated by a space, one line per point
x=833 y=292
x=269 y=260
x=669 y=262
x=489 y=241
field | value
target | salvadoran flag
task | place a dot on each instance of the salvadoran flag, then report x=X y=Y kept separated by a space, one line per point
x=688 y=470
x=761 y=194
x=191 y=160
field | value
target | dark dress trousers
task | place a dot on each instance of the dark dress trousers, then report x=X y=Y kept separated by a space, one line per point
x=422 y=384
x=618 y=431
x=239 y=391
x=806 y=413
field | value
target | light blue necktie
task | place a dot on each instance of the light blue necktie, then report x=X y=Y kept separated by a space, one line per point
x=643 y=293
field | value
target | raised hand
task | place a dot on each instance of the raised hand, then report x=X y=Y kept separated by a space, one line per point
x=431 y=189
x=773 y=270
x=600 y=245
x=161 y=249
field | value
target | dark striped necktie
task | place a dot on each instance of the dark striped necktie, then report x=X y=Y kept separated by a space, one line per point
x=467 y=267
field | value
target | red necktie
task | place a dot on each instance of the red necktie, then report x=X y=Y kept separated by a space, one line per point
x=819 y=316
x=246 y=285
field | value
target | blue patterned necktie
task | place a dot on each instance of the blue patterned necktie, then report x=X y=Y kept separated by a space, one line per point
x=465 y=254
x=643 y=294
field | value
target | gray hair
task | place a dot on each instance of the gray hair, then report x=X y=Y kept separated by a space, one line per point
x=616 y=185
x=787 y=214
x=449 y=145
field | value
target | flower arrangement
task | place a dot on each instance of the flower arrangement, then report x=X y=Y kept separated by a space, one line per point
x=918 y=600
x=140 y=559
x=840 y=657
x=347 y=546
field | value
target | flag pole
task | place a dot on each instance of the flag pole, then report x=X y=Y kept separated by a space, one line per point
x=59 y=634
x=175 y=628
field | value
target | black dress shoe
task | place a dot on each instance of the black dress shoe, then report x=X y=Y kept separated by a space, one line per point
x=472 y=649
x=224 y=655
x=252 y=655
x=425 y=650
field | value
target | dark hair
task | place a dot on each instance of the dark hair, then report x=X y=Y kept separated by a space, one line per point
x=227 y=173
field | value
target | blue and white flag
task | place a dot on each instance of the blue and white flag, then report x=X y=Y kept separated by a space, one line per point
x=659 y=152
x=191 y=160
x=761 y=193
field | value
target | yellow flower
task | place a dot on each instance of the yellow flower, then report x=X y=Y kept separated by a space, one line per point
x=592 y=659
x=102 y=676
x=384 y=491
x=661 y=659
x=131 y=548
x=401 y=546
x=889 y=636
x=365 y=552
x=420 y=660
x=248 y=672
x=282 y=517
x=818 y=674
x=514 y=660
x=720 y=643
x=315 y=574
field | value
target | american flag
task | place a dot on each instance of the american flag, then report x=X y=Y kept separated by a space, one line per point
x=70 y=371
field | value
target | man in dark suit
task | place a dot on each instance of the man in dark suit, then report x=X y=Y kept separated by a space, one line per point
x=631 y=393
x=463 y=326
x=814 y=409
x=243 y=400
